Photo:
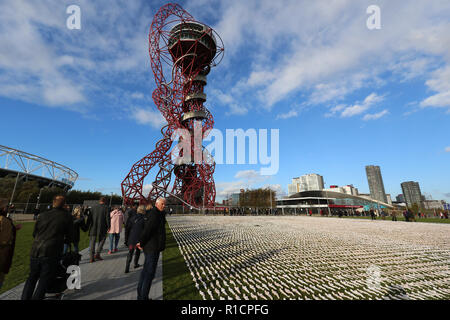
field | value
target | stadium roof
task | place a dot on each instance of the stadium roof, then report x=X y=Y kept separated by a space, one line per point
x=46 y=172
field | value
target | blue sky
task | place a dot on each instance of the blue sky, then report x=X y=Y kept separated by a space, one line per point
x=342 y=96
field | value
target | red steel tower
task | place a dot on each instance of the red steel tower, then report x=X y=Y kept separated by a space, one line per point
x=185 y=50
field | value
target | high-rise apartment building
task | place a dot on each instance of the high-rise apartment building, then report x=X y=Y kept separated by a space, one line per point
x=376 y=185
x=411 y=193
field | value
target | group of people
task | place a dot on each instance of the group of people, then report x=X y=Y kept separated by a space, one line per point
x=58 y=229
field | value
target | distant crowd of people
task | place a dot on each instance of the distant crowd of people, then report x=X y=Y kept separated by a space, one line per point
x=374 y=214
x=241 y=211
x=57 y=233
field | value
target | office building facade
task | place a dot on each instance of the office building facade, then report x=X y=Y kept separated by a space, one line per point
x=411 y=193
x=376 y=185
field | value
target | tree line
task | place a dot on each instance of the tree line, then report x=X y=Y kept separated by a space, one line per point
x=28 y=191
x=261 y=197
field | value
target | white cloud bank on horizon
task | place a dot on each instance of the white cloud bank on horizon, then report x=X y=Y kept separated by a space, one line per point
x=325 y=53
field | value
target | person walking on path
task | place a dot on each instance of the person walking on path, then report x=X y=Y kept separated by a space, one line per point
x=7 y=240
x=129 y=213
x=52 y=229
x=394 y=215
x=406 y=215
x=136 y=225
x=36 y=212
x=78 y=223
x=115 y=229
x=98 y=224
x=372 y=214
x=152 y=241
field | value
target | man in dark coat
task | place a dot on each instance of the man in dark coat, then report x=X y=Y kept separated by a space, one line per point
x=129 y=213
x=52 y=229
x=152 y=241
x=135 y=224
x=98 y=223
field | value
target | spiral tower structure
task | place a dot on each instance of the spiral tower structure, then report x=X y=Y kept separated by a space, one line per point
x=186 y=49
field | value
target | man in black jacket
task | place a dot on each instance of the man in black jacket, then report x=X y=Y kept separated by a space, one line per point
x=152 y=241
x=128 y=215
x=98 y=223
x=52 y=229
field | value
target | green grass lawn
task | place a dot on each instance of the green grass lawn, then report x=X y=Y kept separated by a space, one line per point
x=177 y=281
x=20 y=268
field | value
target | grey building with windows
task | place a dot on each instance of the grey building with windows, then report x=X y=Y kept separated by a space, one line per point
x=411 y=193
x=376 y=185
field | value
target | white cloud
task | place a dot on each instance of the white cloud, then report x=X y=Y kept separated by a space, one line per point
x=43 y=62
x=287 y=115
x=447 y=149
x=324 y=54
x=146 y=189
x=372 y=99
x=327 y=51
x=237 y=109
x=250 y=176
x=354 y=110
x=375 y=116
x=335 y=110
x=360 y=108
x=439 y=82
x=227 y=100
x=137 y=95
x=411 y=67
x=258 y=78
x=245 y=179
x=147 y=117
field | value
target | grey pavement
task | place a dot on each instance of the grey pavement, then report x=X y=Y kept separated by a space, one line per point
x=105 y=280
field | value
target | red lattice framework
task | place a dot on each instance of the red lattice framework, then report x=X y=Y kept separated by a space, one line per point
x=186 y=49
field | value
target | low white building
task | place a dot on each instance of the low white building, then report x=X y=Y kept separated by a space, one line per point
x=306 y=182
x=433 y=204
x=349 y=189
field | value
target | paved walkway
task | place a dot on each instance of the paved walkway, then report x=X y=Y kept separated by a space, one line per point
x=105 y=280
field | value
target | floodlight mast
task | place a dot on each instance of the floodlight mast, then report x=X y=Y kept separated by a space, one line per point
x=188 y=49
